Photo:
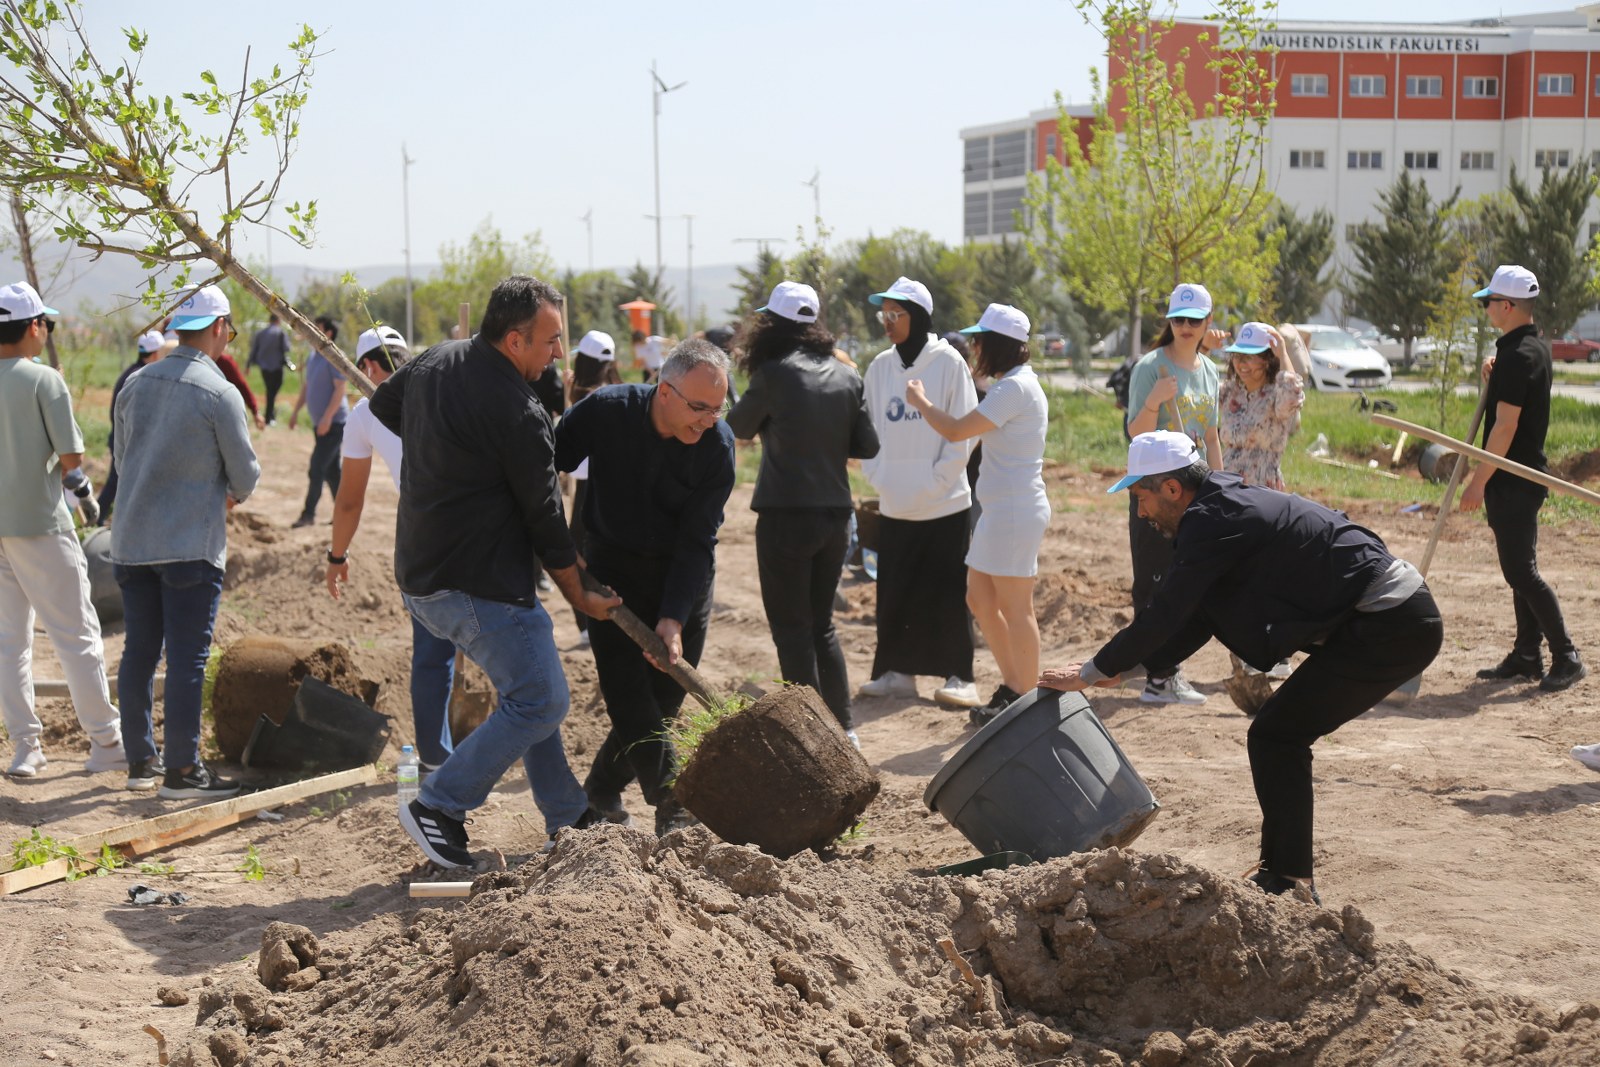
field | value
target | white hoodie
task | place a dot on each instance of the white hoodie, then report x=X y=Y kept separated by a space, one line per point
x=918 y=474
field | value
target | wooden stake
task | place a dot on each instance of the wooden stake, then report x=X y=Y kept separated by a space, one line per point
x=440 y=889
x=1549 y=481
x=464 y=321
x=651 y=642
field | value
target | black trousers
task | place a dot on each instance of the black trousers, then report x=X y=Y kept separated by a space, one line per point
x=580 y=491
x=1362 y=661
x=640 y=700
x=923 y=626
x=1512 y=508
x=273 y=381
x=800 y=555
x=1152 y=558
x=324 y=467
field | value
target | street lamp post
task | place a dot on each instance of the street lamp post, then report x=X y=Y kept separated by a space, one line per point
x=688 y=303
x=658 y=89
x=405 y=202
x=588 y=224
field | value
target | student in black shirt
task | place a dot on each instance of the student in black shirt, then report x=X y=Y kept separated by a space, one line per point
x=1516 y=419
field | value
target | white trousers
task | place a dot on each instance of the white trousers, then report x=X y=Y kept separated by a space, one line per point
x=49 y=577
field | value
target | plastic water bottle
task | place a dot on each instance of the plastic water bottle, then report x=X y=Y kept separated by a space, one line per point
x=407 y=777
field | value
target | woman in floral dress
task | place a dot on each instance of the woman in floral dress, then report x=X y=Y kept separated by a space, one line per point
x=1260 y=401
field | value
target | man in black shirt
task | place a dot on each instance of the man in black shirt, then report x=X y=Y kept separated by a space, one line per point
x=1516 y=419
x=1269 y=574
x=660 y=470
x=478 y=501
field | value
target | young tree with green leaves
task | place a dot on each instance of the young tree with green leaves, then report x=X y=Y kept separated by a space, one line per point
x=1454 y=323
x=121 y=171
x=1543 y=231
x=1165 y=192
x=1404 y=262
x=1300 y=279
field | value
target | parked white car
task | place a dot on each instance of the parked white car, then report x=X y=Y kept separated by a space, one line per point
x=1342 y=363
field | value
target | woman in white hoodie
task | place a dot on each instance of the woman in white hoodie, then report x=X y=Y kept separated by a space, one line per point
x=924 y=501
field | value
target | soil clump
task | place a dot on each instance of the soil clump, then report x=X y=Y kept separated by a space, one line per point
x=259 y=676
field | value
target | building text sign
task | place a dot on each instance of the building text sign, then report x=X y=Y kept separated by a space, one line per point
x=1299 y=41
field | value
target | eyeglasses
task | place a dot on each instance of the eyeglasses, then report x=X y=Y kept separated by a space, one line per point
x=695 y=406
x=233 y=331
x=889 y=318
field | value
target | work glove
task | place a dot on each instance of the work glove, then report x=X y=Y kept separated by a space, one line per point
x=77 y=483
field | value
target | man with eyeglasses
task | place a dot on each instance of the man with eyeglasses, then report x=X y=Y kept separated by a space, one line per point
x=1516 y=417
x=43 y=573
x=183 y=458
x=660 y=470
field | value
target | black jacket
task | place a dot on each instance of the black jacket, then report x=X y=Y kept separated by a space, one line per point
x=1266 y=573
x=478 y=492
x=807 y=408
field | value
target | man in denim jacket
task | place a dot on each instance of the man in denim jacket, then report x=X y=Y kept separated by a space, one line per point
x=183 y=458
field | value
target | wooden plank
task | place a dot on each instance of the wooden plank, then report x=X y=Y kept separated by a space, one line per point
x=28 y=877
x=1549 y=481
x=432 y=890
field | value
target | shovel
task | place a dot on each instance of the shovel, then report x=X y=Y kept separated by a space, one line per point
x=1408 y=690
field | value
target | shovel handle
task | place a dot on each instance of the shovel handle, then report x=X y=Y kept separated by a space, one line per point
x=1456 y=472
x=651 y=642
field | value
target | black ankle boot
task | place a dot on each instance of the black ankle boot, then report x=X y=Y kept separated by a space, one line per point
x=1565 y=672
x=1516 y=665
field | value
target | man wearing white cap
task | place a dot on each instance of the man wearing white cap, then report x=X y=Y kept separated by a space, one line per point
x=594 y=366
x=924 y=501
x=1269 y=574
x=184 y=456
x=1516 y=417
x=379 y=353
x=43 y=573
x=150 y=347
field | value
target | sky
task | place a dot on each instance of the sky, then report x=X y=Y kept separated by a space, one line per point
x=532 y=115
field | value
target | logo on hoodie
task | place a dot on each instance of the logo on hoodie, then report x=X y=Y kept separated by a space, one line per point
x=897 y=410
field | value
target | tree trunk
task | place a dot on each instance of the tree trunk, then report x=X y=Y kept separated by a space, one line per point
x=1135 y=327
x=19 y=219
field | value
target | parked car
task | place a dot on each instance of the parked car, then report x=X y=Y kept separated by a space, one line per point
x=1340 y=362
x=1571 y=349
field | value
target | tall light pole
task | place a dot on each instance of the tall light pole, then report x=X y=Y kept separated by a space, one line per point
x=658 y=89
x=405 y=202
x=688 y=303
x=588 y=224
x=816 y=192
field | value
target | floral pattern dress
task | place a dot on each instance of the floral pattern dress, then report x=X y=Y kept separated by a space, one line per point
x=1255 y=426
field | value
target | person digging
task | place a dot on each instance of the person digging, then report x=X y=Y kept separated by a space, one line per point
x=1269 y=574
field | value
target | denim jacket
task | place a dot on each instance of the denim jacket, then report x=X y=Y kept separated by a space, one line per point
x=183 y=447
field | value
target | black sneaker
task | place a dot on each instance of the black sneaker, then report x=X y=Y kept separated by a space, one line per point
x=1515 y=665
x=302 y=521
x=1002 y=699
x=610 y=809
x=441 y=838
x=146 y=773
x=590 y=817
x=1565 y=672
x=196 y=784
x=670 y=816
x=1277 y=885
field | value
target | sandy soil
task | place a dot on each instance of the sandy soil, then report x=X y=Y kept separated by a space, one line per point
x=1458 y=825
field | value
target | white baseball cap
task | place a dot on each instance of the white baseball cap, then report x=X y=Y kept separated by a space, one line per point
x=379 y=337
x=1515 y=282
x=1189 y=301
x=150 y=341
x=795 y=301
x=1254 y=338
x=905 y=291
x=1004 y=320
x=1156 y=452
x=598 y=345
x=203 y=307
x=19 y=302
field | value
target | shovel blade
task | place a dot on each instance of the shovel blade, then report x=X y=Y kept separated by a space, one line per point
x=1405 y=694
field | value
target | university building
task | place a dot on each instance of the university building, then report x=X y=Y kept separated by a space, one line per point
x=1457 y=104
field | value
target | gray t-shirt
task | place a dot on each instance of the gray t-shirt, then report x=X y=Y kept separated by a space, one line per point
x=321 y=380
x=1013 y=452
x=269 y=348
x=36 y=426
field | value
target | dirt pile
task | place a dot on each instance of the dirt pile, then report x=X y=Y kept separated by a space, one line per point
x=1073 y=604
x=619 y=949
x=259 y=676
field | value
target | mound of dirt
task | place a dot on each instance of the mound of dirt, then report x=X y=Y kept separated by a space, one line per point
x=1073 y=604
x=621 y=949
x=259 y=675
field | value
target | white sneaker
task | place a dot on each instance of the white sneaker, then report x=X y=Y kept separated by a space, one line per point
x=1281 y=670
x=1173 y=690
x=583 y=639
x=29 y=760
x=1588 y=755
x=890 y=684
x=854 y=740
x=106 y=757
x=958 y=694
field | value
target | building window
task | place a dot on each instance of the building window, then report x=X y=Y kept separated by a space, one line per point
x=1352 y=230
x=1422 y=161
x=1364 y=160
x=1420 y=86
x=1308 y=85
x=1369 y=85
x=1594 y=229
x=977 y=159
x=1308 y=159
x=1008 y=211
x=1049 y=146
x=1554 y=158
x=1010 y=155
x=1480 y=88
x=976 y=215
x=1555 y=85
x=1477 y=161
x=1594 y=160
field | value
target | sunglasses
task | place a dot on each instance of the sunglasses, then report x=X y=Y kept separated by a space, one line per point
x=1486 y=301
x=695 y=406
x=1179 y=320
x=49 y=324
x=889 y=318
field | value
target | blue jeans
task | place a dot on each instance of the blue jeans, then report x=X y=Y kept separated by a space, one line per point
x=173 y=604
x=433 y=668
x=514 y=646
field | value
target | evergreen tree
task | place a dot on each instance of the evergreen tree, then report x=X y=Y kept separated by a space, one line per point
x=1403 y=263
x=756 y=281
x=1543 y=232
x=647 y=285
x=1300 y=279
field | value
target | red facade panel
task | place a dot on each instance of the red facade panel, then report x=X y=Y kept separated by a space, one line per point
x=1426 y=73
x=1291 y=106
x=1481 y=108
x=1557 y=67
x=1047 y=135
x=1517 y=86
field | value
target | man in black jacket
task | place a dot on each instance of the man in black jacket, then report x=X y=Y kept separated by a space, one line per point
x=1269 y=574
x=478 y=501
x=660 y=470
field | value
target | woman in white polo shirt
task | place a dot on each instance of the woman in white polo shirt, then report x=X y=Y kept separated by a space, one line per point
x=1003 y=559
x=378 y=353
